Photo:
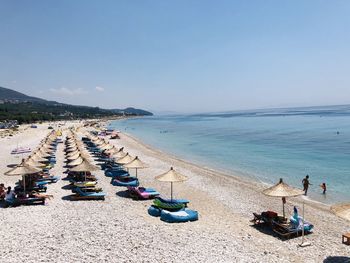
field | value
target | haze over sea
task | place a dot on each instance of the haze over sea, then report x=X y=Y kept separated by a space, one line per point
x=265 y=144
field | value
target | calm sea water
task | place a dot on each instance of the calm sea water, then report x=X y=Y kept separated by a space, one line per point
x=265 y=145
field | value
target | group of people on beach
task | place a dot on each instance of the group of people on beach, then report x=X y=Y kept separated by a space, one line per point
x=306 y=183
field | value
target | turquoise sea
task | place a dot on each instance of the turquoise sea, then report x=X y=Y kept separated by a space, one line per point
x=265 y=145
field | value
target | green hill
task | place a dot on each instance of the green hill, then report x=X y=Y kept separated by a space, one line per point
x=26 y=109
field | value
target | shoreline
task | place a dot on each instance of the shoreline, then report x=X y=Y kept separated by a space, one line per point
x=248 y=180
x=314 y=194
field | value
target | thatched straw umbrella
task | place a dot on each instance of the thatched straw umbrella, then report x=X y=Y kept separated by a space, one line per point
x=282 y=190
x=23 y=169
x=136 y=164
x=171 y=176
x=126 y=159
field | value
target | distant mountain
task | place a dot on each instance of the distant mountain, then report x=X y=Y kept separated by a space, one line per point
x=133 y=111
x=23 y=108
x=10 y=95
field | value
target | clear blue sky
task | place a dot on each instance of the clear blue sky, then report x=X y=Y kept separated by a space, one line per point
x=186 y=56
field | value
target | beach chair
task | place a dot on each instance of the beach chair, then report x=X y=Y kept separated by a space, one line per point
x=87 y=189
x=141 y=193
x=85 y=195
x=125 y=181
x=25 y=201
x=288 y=230
x=181 y=216
x=170 y=205
x=265 y=217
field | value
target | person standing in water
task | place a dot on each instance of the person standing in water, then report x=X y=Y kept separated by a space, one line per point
x=306 y=184
x=324 y=187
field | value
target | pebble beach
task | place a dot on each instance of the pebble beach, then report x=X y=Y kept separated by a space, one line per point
x=120 y=230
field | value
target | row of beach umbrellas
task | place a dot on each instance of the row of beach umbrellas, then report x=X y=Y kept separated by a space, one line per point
x=130 y=162
x=33 y=163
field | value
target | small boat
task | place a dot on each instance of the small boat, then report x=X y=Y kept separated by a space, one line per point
x=21 y=150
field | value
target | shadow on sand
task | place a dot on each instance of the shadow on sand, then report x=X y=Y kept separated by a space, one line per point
x=124 y=194
x=267 y=229
x=336 y=259
x=67 y=187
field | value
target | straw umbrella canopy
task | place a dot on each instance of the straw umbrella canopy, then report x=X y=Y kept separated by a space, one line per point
x=99 y=142
x=33 y=163
x=84 y=166
x=23 y=169
x=342 y=210
x=73 y=149
x=136 y=164
x=73 y=153
x=126 y=159
x=111 y=151
x=119 y=154
x=283 y=190
x=73 y=157
x=171 y=176
x=44 y=154
x=75 y=162
x=107 y=146
x=47 y=148
x=37 y=157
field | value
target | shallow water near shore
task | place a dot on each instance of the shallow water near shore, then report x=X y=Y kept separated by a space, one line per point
x=263 y=145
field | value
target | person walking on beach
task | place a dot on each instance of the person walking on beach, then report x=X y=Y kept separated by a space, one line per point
x=306 y=184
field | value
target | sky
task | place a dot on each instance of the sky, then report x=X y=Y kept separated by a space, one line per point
x=178 y=56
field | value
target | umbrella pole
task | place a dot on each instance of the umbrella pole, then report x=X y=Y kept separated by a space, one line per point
x=171 y=187
x=284 y=214
x=136 y=172
x=24 y=184
x=304 y=244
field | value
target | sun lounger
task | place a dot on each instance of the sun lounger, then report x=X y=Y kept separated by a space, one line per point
x=125 y=181
x=25 y=201
x=154 y=211
x=170 y=205
x=87 y=189
x=141 y=193
x=288 y=230
x=85 y=184
x=84 y=195
x=50 y=179
x=114 y=173
x=265 y=217
x=37 y=188
x=183 y=215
